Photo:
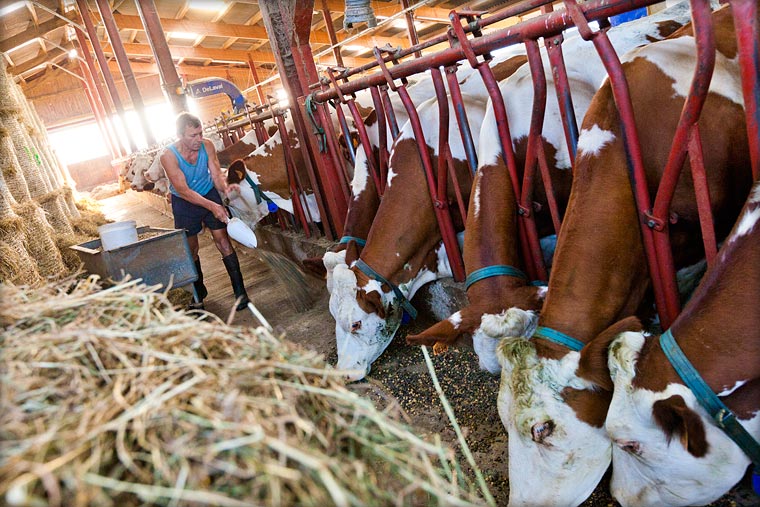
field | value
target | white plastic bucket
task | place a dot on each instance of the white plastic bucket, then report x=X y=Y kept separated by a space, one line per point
x=117 y=234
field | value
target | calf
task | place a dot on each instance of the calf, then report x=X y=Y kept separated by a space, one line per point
x=668 y=450
x=551 y=398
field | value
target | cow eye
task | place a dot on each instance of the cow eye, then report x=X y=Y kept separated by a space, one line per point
x=541 y=431
x=356 y=326
x=629 y=446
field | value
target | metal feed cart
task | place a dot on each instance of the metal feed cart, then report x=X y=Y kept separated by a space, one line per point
x=163 y=258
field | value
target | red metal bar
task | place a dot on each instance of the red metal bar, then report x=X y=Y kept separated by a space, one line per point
x=84 y=11
x=334 y=152
x=345 y=132
x=440 y=206
x=667 y=305
x=105 y=109
x=546 y=25
x=461 y=115
x=502 y=125
x=126 y=69
x=414 y=39
x=296 y=190
x=508 y=12
x=748 y=38
x=331 y=33
x=256 y=81
x=92 y=99
x=363 y=136
x=702 y=191
x=390 y=114
x=382 y=133
x=553 y=46
x=169 y=78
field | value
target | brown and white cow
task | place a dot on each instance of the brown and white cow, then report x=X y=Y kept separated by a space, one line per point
x=491 y=237
x=552 y=400
x=407 y=252
x=668 y=450
x=243 y=146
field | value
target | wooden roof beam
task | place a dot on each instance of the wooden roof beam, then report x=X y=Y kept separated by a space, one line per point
x=241 y=31
x=435 y=14
x=27 y=35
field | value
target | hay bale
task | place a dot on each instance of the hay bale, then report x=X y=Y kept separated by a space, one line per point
x=11 y=169
x=16 y=266
x=38 y=239
x=7 y=94
x=123 y=400
x=56 y=210
x=30 y=169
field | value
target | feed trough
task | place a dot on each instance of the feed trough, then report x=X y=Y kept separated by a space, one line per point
x=160 y=256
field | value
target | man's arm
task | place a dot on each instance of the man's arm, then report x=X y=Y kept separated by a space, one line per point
x=215 y=169
x=178 y=181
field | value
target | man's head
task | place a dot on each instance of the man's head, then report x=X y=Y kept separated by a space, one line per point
x=189 y=131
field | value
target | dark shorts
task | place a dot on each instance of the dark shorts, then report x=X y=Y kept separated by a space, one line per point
x=190 y=216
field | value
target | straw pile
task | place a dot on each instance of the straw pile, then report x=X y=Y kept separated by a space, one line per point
x=111 y=397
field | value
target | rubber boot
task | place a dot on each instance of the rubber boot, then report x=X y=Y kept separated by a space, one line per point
x=236 y=278
x=200 y=288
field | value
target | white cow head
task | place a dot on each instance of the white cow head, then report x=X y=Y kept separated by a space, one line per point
x=555 y=459
x=331 y=260
x=361 y=336
x=156 y=171
x=667 y=449
x=136 y=175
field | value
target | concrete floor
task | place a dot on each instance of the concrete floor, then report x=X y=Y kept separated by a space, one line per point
x=287 y=298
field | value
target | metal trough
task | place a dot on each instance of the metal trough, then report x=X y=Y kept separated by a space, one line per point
x=161 y=259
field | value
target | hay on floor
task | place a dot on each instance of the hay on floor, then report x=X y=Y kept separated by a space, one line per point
x=112 y=397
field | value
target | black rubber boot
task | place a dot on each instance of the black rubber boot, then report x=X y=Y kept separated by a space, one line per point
x=200 y=288
x=236 y=278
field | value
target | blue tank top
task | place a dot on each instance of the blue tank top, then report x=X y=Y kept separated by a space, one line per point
x=197 y=175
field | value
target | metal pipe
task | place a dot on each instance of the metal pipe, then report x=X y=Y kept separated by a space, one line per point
x=169 y=78
x=331 y=33
x=748 y=38
x=256 y=81
x=126 y=69
x=98 y=111
x=414 y=39
x=461 y=116
x=100 y=94
x=84 y=11
x=564 y=97
x=540 y=26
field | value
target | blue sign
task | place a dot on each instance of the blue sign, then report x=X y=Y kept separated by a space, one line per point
x=213 y=85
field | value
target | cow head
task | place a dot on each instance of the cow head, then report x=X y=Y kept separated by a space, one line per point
x=136 y=175
x=667 y=450
x=552 y=403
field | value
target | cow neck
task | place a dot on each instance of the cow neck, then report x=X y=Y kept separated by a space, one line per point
x=718 y=327
x=599 y=270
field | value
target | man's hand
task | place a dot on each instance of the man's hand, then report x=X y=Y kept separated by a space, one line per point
x=233 y=187
x=220 y=213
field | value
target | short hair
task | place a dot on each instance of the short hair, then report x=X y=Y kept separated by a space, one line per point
x=184 y=120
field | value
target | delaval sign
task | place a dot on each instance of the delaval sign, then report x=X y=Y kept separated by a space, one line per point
x=213 y=85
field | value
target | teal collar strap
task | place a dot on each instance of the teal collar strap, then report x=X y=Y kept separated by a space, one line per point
x=555 y=336
x=489 y=271
x=374 y=275
x=346 y=239
x=256 y=190
x=724 y=418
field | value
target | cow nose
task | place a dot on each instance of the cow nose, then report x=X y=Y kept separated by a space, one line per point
x=541 y=431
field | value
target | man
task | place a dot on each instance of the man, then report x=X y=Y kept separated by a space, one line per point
x=196 y=179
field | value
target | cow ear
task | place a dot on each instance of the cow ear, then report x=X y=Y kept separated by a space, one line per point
x=593 y=362
x=675 y=418
x=236 y=171
x=352 y=251
x=371 y=302
x=442 y=333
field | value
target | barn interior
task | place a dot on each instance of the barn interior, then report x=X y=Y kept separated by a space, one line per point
x=87 y=88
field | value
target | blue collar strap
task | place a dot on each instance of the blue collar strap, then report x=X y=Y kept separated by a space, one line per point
x=256 y=190
x=364 y=268
x=346 y=239
x=489 y=271
x=555 y=336
x=724 y=418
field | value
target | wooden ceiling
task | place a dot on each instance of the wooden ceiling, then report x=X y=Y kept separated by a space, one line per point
x=209 y=37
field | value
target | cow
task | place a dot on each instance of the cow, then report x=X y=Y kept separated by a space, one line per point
x=667 y=449
x=244 y=146
x=407 y=253
x=491 y=238
x=552 y=399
